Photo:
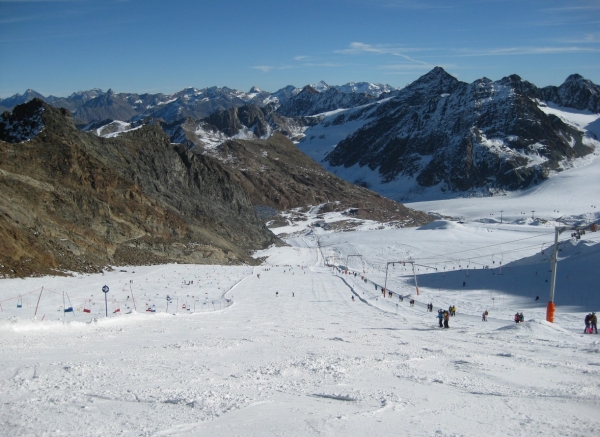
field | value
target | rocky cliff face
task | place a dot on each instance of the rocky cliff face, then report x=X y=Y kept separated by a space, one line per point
x=72 y=201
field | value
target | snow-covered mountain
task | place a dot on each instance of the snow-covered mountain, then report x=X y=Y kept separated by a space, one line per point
x=437 y=136
x=310 y=101
x=441 y=135
x=95 y=105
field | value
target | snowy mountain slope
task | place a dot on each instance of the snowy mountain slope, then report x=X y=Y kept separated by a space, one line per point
x=439 y=135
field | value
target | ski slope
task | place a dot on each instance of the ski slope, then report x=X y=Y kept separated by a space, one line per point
x=291 y=353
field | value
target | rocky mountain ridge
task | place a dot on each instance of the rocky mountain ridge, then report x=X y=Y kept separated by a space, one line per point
x=440 y=132
x=95 y=105
x=71 y=201
x=74 y=201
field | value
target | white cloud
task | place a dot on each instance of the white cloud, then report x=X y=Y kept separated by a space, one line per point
x=263 y=68
x=362 y=48
x=527 y=51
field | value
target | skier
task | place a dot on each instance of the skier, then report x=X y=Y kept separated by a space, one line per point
x=517 y=318
x=484 y=316
x=277 y=294
x=588 y=321
x=594 y=323
x=446 y=319
x=521 y=317
x=352 y=298
x=440 y=317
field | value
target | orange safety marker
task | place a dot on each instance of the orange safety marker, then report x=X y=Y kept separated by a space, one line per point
x=550 y=309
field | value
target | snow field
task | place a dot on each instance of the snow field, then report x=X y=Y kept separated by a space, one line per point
x=314 y=363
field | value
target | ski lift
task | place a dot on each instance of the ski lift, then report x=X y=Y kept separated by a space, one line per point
x=20 y=302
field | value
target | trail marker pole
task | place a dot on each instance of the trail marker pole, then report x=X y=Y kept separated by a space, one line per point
x=105 y=291
x=38 y=302
x=132 y=297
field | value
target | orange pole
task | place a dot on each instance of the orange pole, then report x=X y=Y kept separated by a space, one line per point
x=550 y=312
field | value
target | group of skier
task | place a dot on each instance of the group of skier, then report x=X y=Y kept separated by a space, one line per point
x=443 y=318
x=591 y=324
x=519 y=317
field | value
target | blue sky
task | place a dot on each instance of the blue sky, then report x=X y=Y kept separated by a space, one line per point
x=58 y=47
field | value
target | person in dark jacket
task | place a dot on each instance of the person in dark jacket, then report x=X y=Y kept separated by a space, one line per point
x=446 y=319
x=440 y=317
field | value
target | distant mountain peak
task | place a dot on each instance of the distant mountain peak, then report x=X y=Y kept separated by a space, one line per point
x=321 y=86
x=309 y=90
x=438 y=73
x=574 y=78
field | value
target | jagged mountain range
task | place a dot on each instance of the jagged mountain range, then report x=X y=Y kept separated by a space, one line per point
x=437 y=133
x=96 y=105
x=442 y=133
x=73 y=201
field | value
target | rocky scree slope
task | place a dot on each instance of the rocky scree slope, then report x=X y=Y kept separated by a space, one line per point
x=71 y=201
x=277 y=175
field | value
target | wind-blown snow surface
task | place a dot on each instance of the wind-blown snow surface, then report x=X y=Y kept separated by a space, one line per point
x=295 y=355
